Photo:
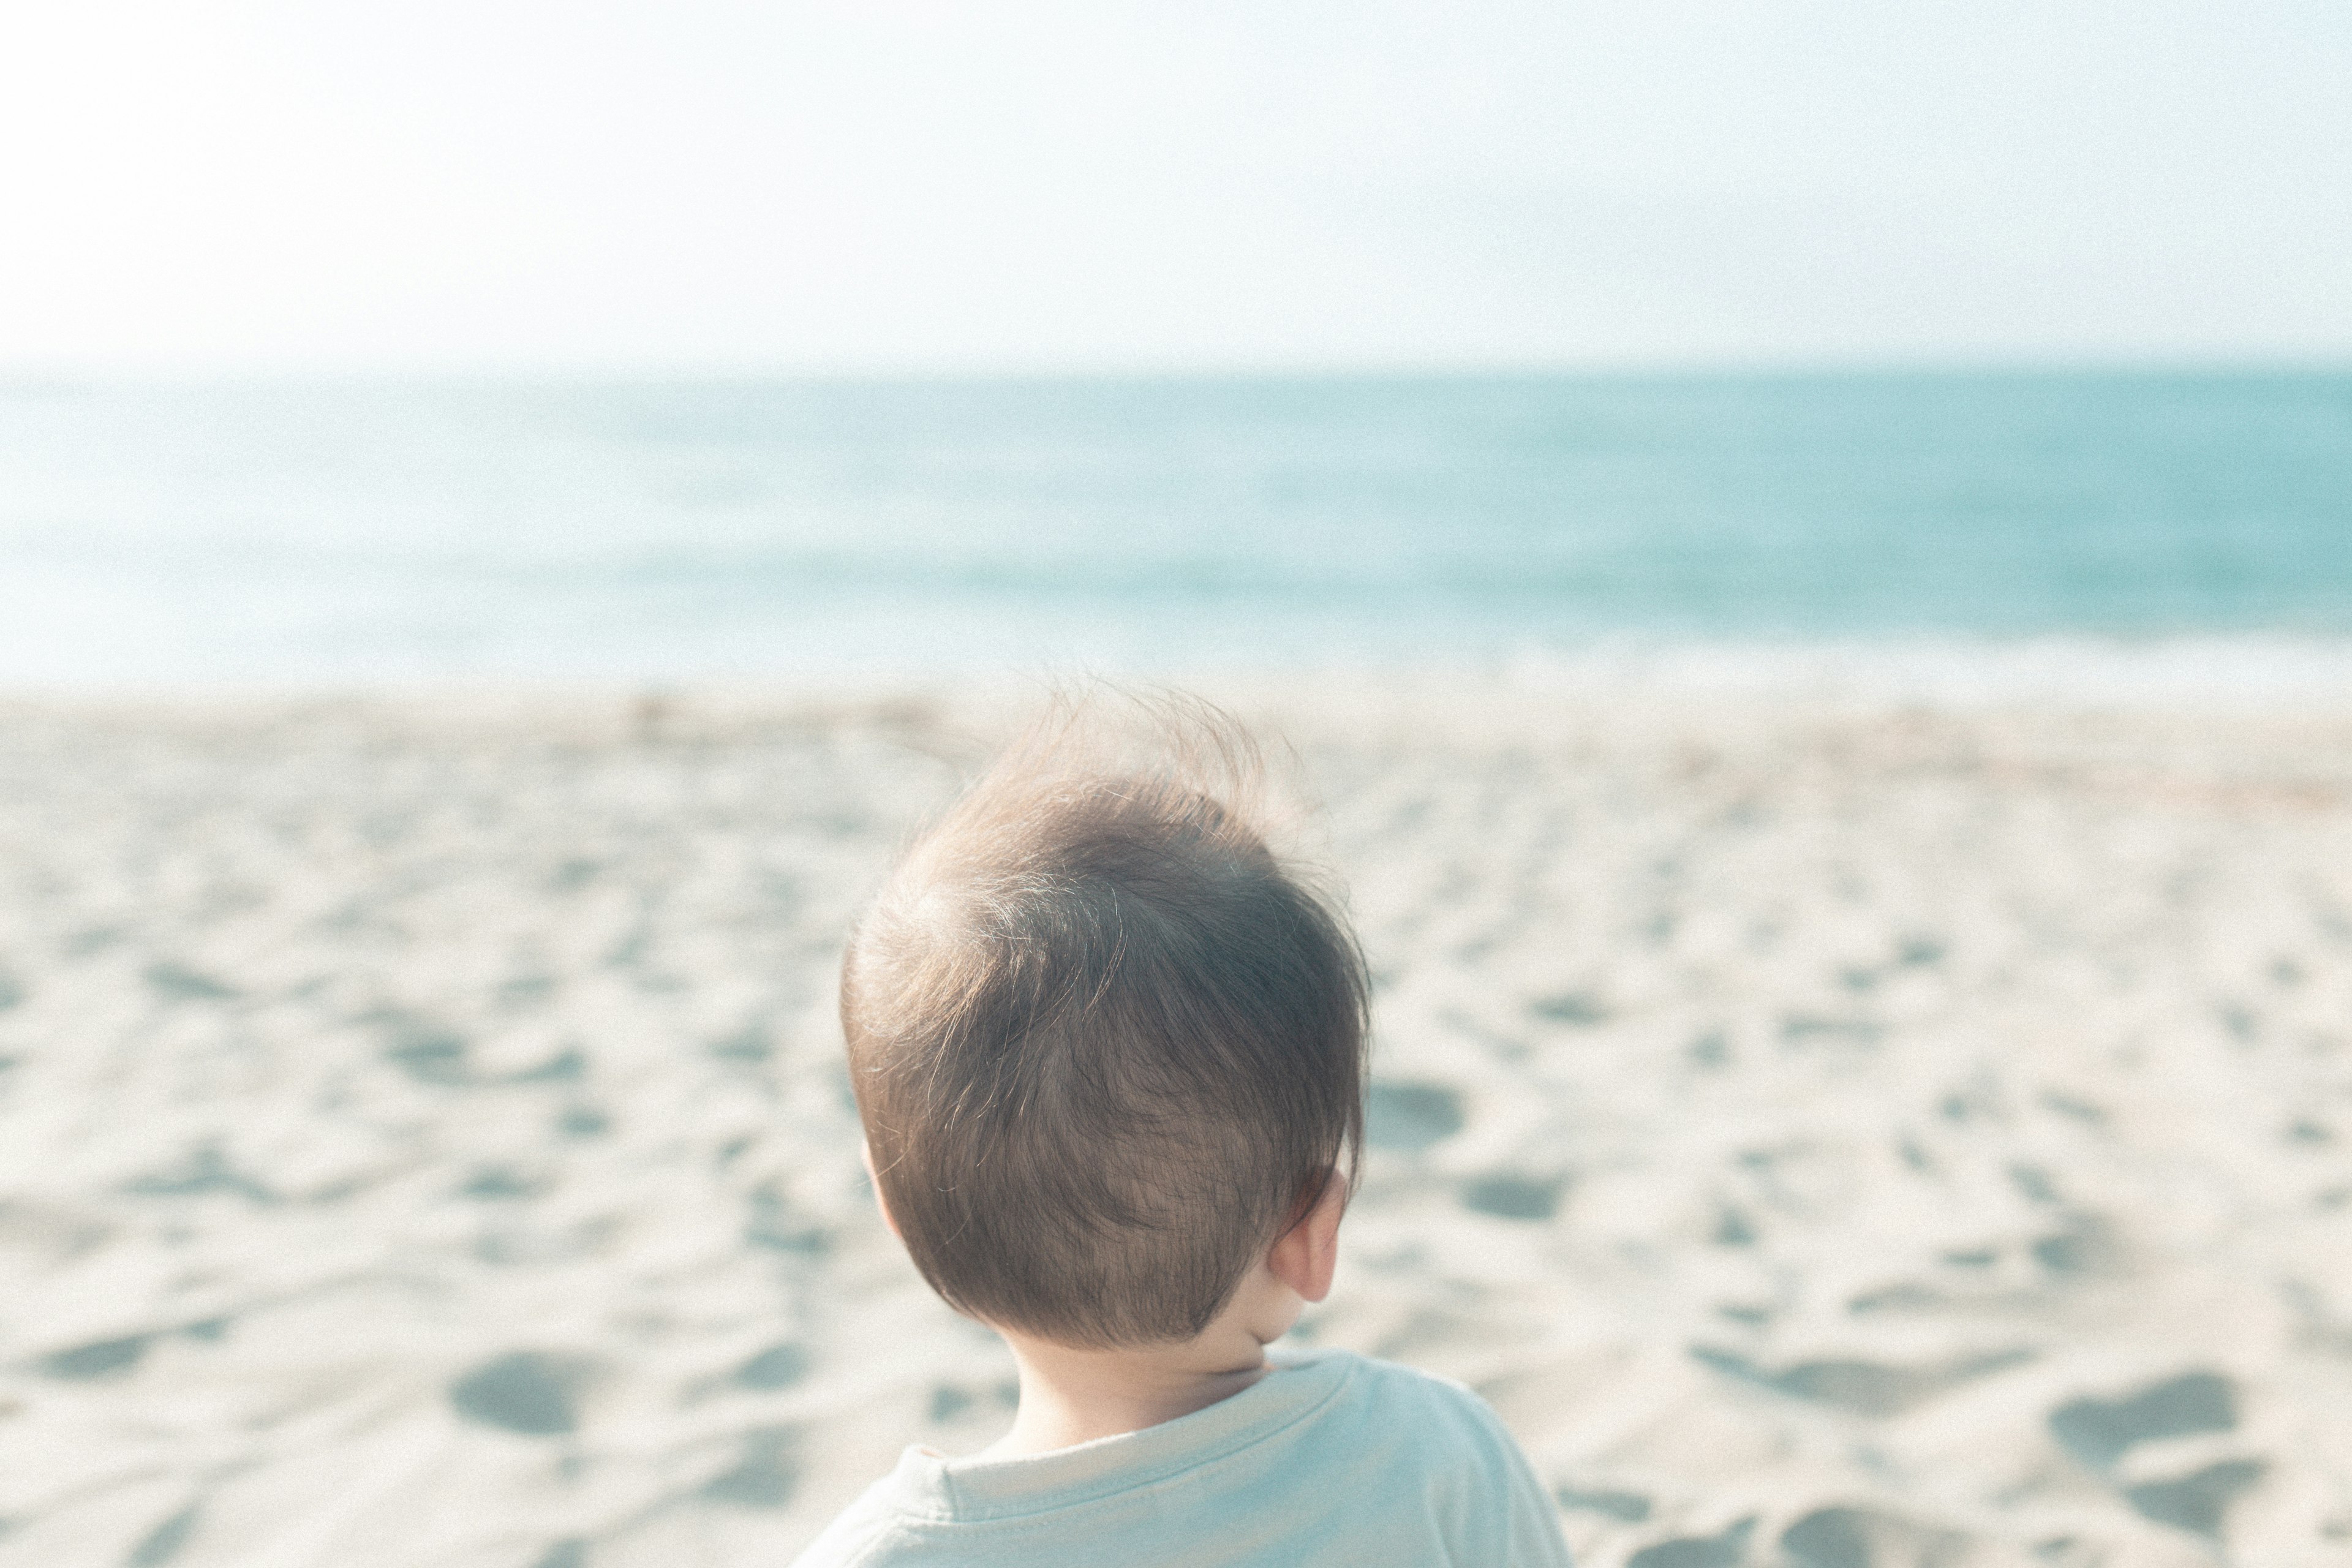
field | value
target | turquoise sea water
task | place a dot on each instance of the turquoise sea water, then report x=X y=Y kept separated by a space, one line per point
x=356 y=532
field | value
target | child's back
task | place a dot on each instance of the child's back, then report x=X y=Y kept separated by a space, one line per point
x=1109 y=1055
x=1329 y=1458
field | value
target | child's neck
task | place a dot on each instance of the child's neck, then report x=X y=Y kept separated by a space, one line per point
x=1070 y=1395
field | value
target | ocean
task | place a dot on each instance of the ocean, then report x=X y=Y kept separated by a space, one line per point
x=354 y=532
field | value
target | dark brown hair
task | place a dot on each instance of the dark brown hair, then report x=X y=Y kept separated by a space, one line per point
x=1108 y=1046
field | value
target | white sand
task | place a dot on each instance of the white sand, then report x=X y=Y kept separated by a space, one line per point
x=1829 y=1137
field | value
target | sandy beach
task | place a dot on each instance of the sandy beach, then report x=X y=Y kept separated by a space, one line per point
x=1832 y=1134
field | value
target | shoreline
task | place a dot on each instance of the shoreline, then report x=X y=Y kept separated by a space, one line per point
x=2193 y=673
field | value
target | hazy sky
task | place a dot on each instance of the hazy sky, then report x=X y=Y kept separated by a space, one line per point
x=874 y=185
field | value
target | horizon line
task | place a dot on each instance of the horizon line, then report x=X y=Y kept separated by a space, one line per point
x=37 y=377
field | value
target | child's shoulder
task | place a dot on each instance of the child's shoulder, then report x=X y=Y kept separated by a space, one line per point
x=1398 y=1406
x=1396 y=1432
x=1334 y=1458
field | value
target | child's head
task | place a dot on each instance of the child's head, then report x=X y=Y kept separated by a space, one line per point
x=1107 y=1046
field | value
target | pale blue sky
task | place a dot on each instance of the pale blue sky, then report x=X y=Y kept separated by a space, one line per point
x=882 y=186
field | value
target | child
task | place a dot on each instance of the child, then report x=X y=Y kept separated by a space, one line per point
x=1109 y=1053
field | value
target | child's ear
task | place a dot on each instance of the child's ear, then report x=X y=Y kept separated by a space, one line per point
x=1305 y=1256
x=865 y=1156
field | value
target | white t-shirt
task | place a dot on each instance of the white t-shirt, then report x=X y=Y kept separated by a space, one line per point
x=1329 y=1458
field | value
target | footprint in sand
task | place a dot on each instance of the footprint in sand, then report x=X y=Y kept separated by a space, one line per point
x=163 y=1543
x=582 y=1121
x=1508 y=1196
x=1626 y=1507
x=498 y=1183
x=1710 y=1051
x=1864 y=1387
x=777 y=1366
x=204 y=1170
x=774 y=1224
x=1579 y=1009
x=1725 y=1551
x=178 y=982
x=99 y=1358
x=427 y=1052
x=1860 y=1538
x=1410 y=1117
x=2196 y=1501
x=2098 y=1432
x=765 y=1473
x=2087 y=1245
x=528 y=1392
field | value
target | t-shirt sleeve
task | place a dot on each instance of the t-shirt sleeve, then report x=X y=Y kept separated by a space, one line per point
x=1514 y=1524
x=858 y=1538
